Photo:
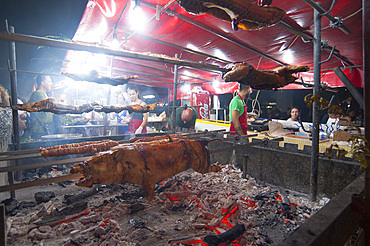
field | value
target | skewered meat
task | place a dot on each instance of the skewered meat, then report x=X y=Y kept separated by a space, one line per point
x=49 y=105
x=77 y=148
x=93 y=76
x=170 y=137
x=144 y=163
x=262 y=80
x=241 y=13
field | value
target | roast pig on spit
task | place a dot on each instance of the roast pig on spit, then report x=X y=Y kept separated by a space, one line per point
x=145 y=163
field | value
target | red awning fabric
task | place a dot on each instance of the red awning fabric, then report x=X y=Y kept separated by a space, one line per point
x=172 y=34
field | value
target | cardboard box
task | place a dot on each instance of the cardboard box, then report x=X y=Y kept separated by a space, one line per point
x=341 y=136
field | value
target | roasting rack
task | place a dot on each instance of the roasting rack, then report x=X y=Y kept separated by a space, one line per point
x=219 y=135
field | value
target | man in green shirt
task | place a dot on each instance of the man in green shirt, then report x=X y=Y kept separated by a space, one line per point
x=185 y=117
x=238 y=111
x=40 y=122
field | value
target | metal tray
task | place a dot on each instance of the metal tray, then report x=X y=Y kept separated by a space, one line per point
x=61 y=136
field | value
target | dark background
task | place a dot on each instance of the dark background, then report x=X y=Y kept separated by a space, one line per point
x=39 y=18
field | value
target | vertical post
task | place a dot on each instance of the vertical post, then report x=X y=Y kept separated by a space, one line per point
x=245 y=167
x=14 y=96
x=366 y=61
x=315 y=108
x=174 y=97
x=2 y=225
x=14 y=91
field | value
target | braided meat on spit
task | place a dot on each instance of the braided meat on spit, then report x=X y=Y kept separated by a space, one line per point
x=241 y=13
x=145 y=163
x=169 y=137
x=49 y=105
x=78 y=148
x=262 y=80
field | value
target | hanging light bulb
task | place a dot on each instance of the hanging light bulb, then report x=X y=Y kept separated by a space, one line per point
x=114 y=44
x=137 y=16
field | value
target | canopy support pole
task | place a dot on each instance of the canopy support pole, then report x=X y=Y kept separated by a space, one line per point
x=318 y=8
x=315 y=108
x=366 y=61
x=14 y=97
x=175 y=79
x=347 y=82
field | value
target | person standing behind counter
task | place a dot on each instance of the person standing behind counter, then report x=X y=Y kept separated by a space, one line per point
x=294 y=113
x=185 y=117
x=40 y=123
x=137 y=120
x=238 y=111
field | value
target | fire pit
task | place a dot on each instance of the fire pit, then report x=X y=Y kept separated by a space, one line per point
x=188 y=209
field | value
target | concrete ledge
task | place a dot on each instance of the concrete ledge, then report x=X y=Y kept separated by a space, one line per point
x=333 y=224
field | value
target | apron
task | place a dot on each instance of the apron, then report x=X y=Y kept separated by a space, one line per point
x=242 y=120
x=134 y=124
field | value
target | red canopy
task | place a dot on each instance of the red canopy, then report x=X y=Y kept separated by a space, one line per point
x=209 y=40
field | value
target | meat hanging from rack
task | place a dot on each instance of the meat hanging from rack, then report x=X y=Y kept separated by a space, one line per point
x=145 y=163
x=93 y=76
x=241 y=13
x=77 y=148
x=49 y=105
x=262 y=80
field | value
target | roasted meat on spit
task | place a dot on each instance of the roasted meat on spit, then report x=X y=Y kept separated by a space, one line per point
x=49 y=105
x=262 y=80
x=77 y=148
x=93 y=76
x=145 y=163
x=241 y=13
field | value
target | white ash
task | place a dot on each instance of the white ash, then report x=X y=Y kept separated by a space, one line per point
x=185 y=205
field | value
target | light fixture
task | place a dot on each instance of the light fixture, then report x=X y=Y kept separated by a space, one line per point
x=114 y=44
x=137 y=16
x=185 y=87
x=215 y=83
x=220 y=54
x=148 y=96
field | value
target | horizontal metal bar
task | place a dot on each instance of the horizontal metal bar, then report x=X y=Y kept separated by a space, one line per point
x=17 y=157
x=327 y=15
x=240 y=146
x=19 y=152
x=40 y=182
x=285 y=26
x=43 y=164
x=105 y=50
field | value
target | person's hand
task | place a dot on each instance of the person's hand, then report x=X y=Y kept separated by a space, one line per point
x=139 y=130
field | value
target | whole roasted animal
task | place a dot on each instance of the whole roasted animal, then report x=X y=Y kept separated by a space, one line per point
x=93 y=76
x=262 y=80
x=49 y=105
x=241 y=13
x=145 y=163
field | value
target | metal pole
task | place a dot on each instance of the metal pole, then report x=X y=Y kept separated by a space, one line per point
x=14 y=96
x=315 y=108
x=174 y=96
x=355 y=93
x=317 y=7
x=366 y=61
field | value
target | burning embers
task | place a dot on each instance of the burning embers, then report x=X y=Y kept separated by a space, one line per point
x=189 y=208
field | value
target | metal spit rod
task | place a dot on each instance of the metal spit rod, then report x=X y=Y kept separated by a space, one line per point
x=31 y=153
